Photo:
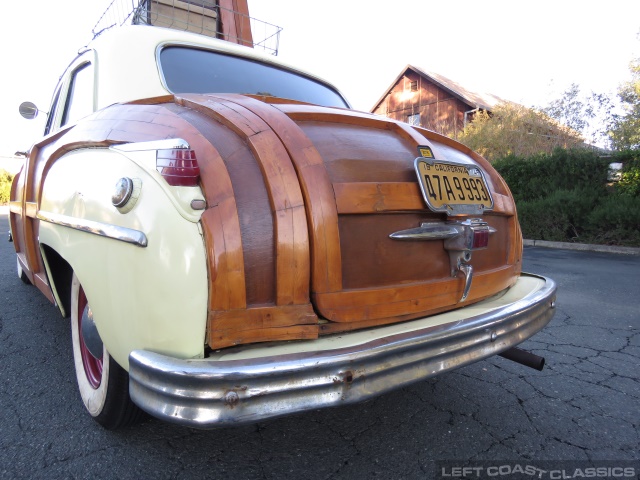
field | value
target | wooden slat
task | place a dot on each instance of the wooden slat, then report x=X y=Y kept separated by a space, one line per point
x=296 y=332
x=30 y=209
x=264 y=317
x=380 y=303
x=287 y=205
x=262 y=324
x=224 y=251
x=340 y=327
x=322 y=215
x=15 y=207
x=376 y=197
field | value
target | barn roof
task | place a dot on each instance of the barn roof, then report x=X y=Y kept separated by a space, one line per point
x=484 y=101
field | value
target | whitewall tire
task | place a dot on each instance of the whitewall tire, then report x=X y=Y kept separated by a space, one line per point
x=103 y=384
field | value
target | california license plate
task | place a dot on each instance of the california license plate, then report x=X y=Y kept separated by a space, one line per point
x=453 y=188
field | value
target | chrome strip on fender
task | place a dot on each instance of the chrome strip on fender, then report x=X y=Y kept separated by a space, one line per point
x=115 y=232
x=335 y=370
x=167 y=144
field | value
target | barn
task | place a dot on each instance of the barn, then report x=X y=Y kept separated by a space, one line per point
x=432 y=101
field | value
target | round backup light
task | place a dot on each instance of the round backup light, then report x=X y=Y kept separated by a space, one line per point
x=122 y=193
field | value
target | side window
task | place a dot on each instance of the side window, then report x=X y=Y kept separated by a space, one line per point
x=52 y=111
x=80 y=95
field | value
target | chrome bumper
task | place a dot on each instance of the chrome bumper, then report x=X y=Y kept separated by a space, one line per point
x=249 y=384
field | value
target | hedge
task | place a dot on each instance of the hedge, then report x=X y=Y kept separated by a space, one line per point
x=567 y=197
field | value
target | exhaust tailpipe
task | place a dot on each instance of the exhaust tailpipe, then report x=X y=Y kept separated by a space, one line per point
x=523 y=357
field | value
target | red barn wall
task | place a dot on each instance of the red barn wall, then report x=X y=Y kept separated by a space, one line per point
x=439 y=110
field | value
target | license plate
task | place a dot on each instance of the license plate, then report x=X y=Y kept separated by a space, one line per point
x=453 y=188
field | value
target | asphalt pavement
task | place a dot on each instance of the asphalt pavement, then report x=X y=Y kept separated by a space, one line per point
x=493 y=418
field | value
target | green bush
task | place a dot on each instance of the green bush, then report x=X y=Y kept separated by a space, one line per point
x=629 y=183
x=616 y=220
x=561 y=216
x=565 y=196
x=536 y=177
x=5 y=186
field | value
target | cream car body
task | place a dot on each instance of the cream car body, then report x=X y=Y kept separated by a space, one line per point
x=151 y=297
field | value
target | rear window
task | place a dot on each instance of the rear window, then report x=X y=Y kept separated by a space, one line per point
x=189 y=70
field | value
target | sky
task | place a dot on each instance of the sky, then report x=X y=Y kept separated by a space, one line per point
x=524 y=51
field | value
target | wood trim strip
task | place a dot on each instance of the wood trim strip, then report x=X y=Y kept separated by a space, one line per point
x=224 y=252
x=339 y=327
x=262 y=324
x=378 y=197
x=375 y=197
x=231 y=338
x=322 y=214
x=30 y=209
x=422 y=298
x=15 y=207
x=287 y=205
x=40 y=280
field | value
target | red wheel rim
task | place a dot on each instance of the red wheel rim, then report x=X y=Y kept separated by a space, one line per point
x=92 y=365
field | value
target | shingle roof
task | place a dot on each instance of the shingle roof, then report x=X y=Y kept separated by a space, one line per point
x=485 y=101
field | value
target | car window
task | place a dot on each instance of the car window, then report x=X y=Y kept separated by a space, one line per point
x=190 y=70
x=80 y=95
x=52 y=111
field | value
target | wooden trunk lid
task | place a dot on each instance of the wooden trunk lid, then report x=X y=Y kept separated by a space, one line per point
x=299 y=242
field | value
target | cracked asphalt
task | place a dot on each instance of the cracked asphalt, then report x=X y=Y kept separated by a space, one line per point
x=584 y=406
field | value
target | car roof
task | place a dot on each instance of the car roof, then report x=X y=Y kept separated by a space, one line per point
x=129 y=47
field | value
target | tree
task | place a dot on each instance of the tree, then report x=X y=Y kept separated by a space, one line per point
x=589 y=115
x=570 y=109
x=511 y=129
x=625 y=133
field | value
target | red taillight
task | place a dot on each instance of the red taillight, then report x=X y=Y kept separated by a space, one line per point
x=480 y=238
x=178 y=166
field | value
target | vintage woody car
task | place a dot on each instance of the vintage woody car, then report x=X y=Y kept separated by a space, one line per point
x=233 y=243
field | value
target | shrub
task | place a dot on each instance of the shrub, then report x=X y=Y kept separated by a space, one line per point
x=561 y=216
x=5 y=186
x=539 y=176
x=629 y=183
x=564 y=196
x=616 y=220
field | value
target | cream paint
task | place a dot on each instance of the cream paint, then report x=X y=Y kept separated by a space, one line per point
x=152 y=298
x=116 y=55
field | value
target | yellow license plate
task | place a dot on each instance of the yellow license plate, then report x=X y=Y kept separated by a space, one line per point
x=453 y=188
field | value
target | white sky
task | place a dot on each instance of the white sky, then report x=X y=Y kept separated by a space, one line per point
x=528 y=52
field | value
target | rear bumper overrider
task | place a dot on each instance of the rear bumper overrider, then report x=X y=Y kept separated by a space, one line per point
x=252 y=383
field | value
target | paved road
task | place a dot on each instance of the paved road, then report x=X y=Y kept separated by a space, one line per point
x=584 y=406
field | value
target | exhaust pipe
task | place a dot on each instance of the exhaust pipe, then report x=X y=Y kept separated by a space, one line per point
x=523 y=357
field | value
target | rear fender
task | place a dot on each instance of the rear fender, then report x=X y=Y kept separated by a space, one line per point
x=143 y=271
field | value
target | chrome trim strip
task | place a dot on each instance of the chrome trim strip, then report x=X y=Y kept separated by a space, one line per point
x=427 y=231
x=114 y=232
x=166 y=144
x=208 y=393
